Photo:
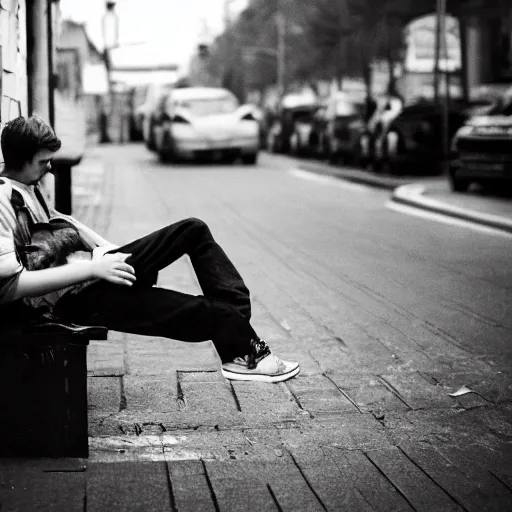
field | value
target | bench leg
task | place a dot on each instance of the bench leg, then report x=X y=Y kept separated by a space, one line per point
x=76 y=390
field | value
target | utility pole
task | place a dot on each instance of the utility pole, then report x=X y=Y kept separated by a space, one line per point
x=439 y=43
x=441 y=53
x=51 y=66
x=38 y=71
x=110 y=30
x=281 y=51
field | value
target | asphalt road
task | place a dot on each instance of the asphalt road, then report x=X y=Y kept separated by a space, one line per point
x=386 y=312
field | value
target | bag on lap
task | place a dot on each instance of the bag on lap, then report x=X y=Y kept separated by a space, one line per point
x=41 y=245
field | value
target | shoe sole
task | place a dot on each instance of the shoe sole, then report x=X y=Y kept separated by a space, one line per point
x=260 y=377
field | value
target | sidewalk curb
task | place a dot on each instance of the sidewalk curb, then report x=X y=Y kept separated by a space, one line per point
x=414 y=195
x=354 y=176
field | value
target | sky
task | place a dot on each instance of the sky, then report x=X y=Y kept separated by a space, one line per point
x=154 y=31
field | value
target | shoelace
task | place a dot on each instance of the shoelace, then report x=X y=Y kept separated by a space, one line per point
x=259 y=349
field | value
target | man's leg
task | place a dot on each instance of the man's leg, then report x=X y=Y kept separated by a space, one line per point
x=154 y=311
x=215 y=272
x=222 y=314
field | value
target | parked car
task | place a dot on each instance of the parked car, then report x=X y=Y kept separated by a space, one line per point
x=208 y=122
x=341 y=126
x=137 y=98
x=371 y=142
x=415 y=137
x=146 y=112
x=483 y=147
x=290 y=128
x=317 y=134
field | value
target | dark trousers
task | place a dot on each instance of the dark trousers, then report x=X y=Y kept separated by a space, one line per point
x=221 y=314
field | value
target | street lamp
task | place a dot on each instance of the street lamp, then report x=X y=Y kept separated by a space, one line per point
x=110 y=26
x=110 y=30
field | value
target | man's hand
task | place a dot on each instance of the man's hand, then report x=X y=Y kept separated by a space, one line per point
x=112 y=268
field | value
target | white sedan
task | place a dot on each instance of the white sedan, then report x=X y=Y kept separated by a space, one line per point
x=197 y=122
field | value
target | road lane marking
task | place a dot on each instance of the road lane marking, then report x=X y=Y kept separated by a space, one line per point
x=444 y=219
x=328 y=180
x=414 y=195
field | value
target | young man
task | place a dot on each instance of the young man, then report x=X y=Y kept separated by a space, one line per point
x=113 y=286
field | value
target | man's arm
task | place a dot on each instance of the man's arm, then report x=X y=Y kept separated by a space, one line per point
x=110 y=267
x=89 y=235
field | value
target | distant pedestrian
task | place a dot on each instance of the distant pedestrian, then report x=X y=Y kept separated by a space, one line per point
x=114 y=286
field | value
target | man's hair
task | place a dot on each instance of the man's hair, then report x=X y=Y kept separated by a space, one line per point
x=23 y=137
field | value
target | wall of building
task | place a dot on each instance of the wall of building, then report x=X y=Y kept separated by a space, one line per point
x=489 y=48
x=76 y=108
x=13 y=57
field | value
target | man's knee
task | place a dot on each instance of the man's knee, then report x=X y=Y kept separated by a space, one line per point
x=197 y=225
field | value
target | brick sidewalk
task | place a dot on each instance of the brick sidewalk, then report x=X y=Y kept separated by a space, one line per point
x=357 y=430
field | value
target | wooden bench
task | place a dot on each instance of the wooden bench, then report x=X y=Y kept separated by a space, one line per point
x=43 y=391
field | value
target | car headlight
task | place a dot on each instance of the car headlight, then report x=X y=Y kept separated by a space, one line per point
x=183 y=132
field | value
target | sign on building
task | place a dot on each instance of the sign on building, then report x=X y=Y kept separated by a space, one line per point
x=420 y=37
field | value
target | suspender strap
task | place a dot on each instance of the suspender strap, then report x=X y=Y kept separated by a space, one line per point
x=41 y=199
x=24 y=219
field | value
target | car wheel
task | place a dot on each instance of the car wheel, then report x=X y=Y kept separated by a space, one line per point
x=228 y=158
x=250 y=159
x=166 y=151
x=393 y=148
x=150 y=143
x=294 y=144
x=458 y=184
x=271 y=143
x=364 y=145
x=331 y=155
x=356 y=158
x=164 y=156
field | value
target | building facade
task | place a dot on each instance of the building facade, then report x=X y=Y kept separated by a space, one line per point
x=82 y=79
x=13 y=60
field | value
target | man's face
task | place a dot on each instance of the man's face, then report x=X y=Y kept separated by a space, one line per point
x=40 y=165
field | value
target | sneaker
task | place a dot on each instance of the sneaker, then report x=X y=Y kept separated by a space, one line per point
x=260 y=366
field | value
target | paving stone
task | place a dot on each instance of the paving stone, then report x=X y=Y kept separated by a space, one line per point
x=104 y=394
x=368 y=393
x=411 y=481
x=280 y=481
x=45 y=465
x=213 y=376
x=260 y=399
x=416 y=391
x=190 y=489
x=150 y=393
x=24 y=491
x=105 y=358
x=350 y=431
x=133 y=486
x=474 y=491
x=335 y=490
x=205 y=392
x=317 y=394
x=369 y=481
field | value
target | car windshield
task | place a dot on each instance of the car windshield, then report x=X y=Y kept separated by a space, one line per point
x=200 y=107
